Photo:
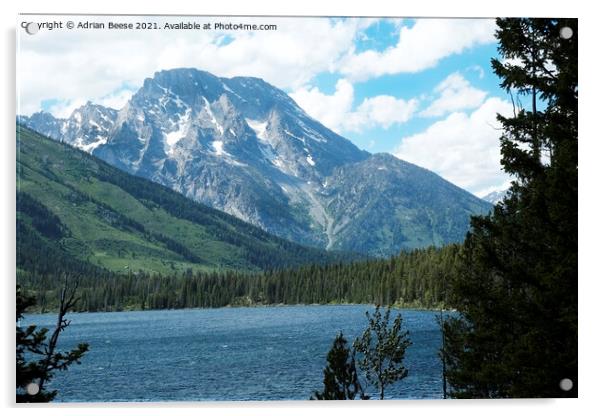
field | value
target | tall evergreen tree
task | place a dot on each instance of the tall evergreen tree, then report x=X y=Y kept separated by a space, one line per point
x=382 y=350
x=517 y=290
x=340 y=375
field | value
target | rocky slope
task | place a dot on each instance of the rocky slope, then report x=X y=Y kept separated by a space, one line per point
x=245 y=147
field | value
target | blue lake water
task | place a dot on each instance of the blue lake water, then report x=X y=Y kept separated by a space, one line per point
x=266 y=353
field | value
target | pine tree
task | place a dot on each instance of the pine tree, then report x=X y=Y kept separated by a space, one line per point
x=340 y=375
x=382 y=350
x=36 y=356
x=517 y=290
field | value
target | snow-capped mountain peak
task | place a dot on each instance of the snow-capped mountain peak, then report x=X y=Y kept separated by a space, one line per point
x=245 y=147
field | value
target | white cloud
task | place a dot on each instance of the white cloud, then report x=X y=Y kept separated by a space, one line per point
x=335 y=111
x=116 y=100
x=420 y=47
x=87 y=65
x=455 y=94
x=63 y=109
x=463 y=148
x=513 y=62
x=330 y=110
x=75 y=65
x=382 y=111
x=478 y=69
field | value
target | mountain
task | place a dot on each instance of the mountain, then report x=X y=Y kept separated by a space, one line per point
x=495 y=196
x=87 y=128
x=75 y=211
x=244 y=147
x=421 y=208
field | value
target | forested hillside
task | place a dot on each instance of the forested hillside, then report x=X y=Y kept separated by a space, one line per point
x=414 y=279
x=79 y=215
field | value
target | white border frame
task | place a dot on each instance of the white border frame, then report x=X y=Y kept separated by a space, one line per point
x=590 y=288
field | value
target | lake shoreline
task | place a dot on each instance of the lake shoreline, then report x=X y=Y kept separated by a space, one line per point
x=409 y=307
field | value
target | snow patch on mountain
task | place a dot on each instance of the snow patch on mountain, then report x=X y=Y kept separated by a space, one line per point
x=173 y=137
x=91 y=146
x=212 y=116
x=218 y=147
x=293 y=136
x=259 y=127
x=232 y=92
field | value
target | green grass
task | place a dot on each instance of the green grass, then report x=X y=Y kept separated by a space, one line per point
x=124 y=223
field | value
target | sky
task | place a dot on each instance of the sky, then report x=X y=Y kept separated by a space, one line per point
x=420 y=89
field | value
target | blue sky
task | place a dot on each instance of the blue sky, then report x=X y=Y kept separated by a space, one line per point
x=474 y=65
x=421 y=89
x=459 y=140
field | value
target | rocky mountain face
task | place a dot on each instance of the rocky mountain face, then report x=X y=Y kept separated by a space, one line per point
x=384 y=199
x=245 y=147
x=87 y=128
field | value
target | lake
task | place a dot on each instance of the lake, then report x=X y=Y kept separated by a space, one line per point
x=263 y=353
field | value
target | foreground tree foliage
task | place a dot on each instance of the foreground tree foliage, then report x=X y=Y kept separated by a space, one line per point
x=382 y=349
x=340 y=375
x=517 y=290
x=37 y=358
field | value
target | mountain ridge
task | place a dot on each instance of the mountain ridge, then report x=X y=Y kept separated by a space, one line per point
x=75 y=207
x=244 y=147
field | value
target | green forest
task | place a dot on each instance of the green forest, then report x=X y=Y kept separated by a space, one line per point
x=415 y=279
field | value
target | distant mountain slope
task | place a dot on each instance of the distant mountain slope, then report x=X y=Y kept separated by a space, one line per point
x=75 y=208
x=495 y=196
x=383 y=202
x=245 y=147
